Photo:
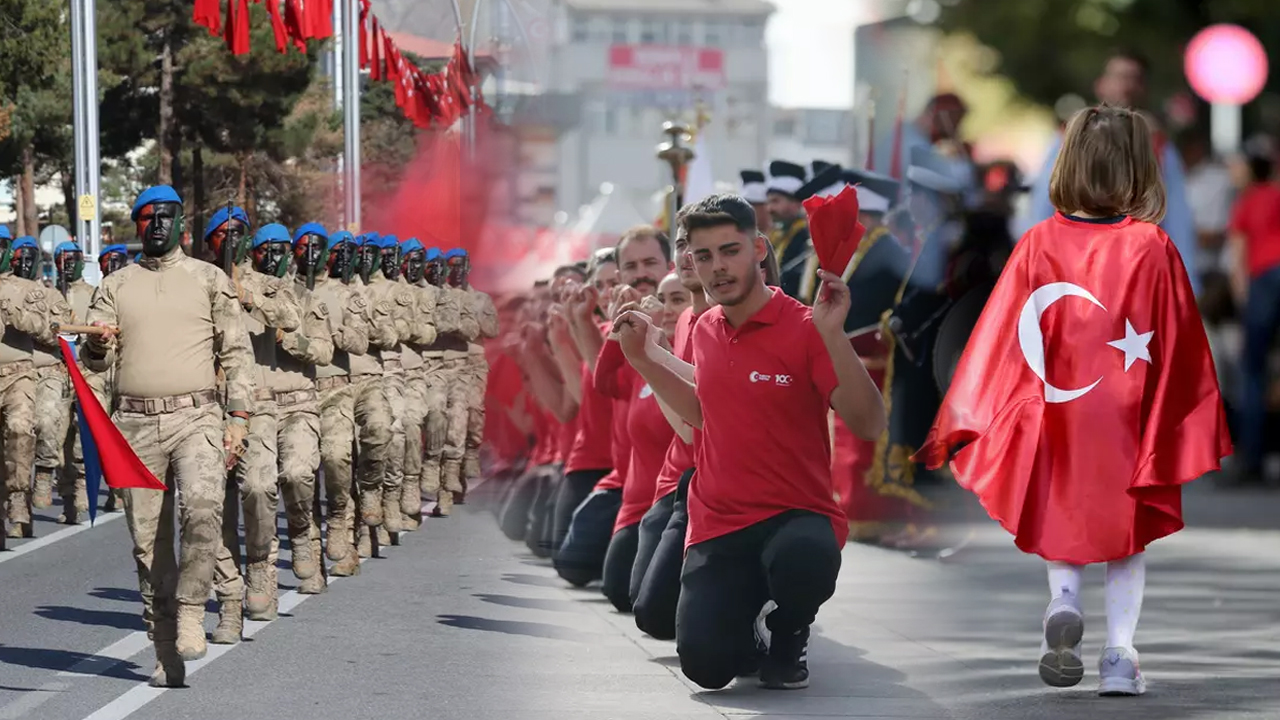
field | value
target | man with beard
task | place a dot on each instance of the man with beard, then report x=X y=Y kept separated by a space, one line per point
x=763 y=524
x=790 y=237
x=409 y=272
x=179 y=320
x=326 y=268
x=271 y=309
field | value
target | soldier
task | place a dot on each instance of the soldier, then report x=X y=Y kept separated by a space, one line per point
x=411 y=268
x=270 y=311
x=464 y=328
x=441 y=385
x=479 y=309
x=28 y=312
x=110 y=259
x=179 y=321
x=790 y=236
x=327 y=264
x=372 y=411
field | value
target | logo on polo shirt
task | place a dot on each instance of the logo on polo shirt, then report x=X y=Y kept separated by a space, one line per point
x=779 y=380
x=782 y=380
x=759 y=377
x=645 y=392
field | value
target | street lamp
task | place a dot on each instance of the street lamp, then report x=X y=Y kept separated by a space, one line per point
x=676 y=155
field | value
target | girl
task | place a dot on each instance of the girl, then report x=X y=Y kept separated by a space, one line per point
x=1086 y=395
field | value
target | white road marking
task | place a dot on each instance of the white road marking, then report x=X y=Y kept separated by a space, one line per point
x=58 y=536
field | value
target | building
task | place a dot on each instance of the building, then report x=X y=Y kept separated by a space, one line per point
x=627 y=66
x=802 y=135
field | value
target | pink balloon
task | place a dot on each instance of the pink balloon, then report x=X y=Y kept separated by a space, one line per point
x=1226 y=64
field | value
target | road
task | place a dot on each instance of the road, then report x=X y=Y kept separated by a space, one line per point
x=458 y=622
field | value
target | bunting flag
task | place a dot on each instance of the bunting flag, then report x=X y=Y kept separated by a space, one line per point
x=278 y=28
x=364 y=34
x=208 y=14
x=107 y=454
x=236 y=31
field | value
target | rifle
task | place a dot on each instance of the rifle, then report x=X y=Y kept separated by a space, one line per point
x=311 y=266
x=229 y=246
x=63 y=284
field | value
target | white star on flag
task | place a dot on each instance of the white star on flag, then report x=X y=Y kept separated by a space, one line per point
x=1133 y=345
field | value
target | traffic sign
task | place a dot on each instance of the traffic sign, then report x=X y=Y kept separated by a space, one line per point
x=87 y=207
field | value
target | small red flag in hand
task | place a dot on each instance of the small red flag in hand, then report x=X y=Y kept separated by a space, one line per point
x=834 y=228
x=120 y=464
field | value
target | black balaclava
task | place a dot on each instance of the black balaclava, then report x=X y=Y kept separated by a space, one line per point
x=163 y=232
x=413 y=265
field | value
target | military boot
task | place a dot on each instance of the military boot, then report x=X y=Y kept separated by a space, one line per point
x=338 y=536
x=70 y=514
x=471 y=465
x=112 y=501
x=411 y=504
x=444 y=503
x=191 y=641
x=260 y=594
x=391 y=521
x=42 y=497
x=364 y=542
x=303 y=559
x=371 y=507
x=451 y=478
x=230 y=628
x=317 y=583
x=19 y=514
x=170 y=670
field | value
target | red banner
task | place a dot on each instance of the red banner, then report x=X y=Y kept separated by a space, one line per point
x=665 y=67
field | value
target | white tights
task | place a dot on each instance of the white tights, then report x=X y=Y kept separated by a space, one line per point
x=1126 y=580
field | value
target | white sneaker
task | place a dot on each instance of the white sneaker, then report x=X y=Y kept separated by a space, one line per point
x=1118 y=673
x=1060 y=663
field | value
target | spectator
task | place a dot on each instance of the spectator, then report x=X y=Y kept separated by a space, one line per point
x=1210 y=192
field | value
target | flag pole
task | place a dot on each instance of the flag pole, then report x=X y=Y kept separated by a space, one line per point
x=84 y=97
x=351 y=112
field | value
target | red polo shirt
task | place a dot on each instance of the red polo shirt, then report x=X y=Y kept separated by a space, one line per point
x=591 y=447
x=679 y=453
x=765 y=389
x=544 y=450
x=650 y=437
x=568 y=432
x=1256 y=216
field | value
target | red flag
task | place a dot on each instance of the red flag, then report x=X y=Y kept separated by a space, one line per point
x=236 y=31
x=364 y=33
x=834 y=228
x=1086 y=395
x=375 y=72
x=277 y=26
x=120 y=465
x=295 y=24
x=208 y=13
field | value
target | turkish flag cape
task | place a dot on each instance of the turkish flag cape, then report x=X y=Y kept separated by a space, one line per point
x=119 y=464
x=1086 y=394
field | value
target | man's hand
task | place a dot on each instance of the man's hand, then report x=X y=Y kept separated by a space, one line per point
x=235 y=439
x=832 y=306
x=621 y=295
x=105 y=339
x=634 y=332
x=583 y=303
x=653 y=307
x=558 y=326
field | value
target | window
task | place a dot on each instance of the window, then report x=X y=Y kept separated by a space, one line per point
x=750 y=33
x=784 y=127
x=712 y=34
x=621 y=34
x=581 y=30
x=682 y=32
x=653 y=32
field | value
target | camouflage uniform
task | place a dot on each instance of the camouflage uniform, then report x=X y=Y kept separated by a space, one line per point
x=269 y=305
x=415 y=418
x=476 y=374
x=167 y=409
x=28 y=314
x=372 y=410
x=347 y=318
x=53 y=424
x=447 y=399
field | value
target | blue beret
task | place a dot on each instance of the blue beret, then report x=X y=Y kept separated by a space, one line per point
x=310 y=229
x=434 y=254
x=372 y=237
x=359 y=240
x=67 y=246
x=410 y=245
x=25 y=241
x=342 y=236
x=455 y=252
x=221 y=216
x=4 y=233
x=153 y=195
x=273 y=232
x=123 y=249
x=387 y=241
x=137 y=258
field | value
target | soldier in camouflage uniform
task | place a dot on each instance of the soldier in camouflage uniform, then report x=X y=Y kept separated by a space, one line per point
x=110 y=259
x=442 y=469
x=270 y=309
x=479 y=309
x=373 y=415
x=179 y=321
x=28 y=311
x=329 y=262
x=412 y=265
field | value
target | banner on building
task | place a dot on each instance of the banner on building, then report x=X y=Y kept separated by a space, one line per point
x=665 y=67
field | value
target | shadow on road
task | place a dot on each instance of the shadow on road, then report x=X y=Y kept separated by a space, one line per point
x=512 y=627
x=102 y=618
x=531 y=603
x=59 y=660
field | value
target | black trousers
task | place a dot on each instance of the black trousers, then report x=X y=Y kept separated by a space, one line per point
x=659 y=591
x=538 y=535
x=652 y=526
x=580 y=559
x=576 y=487
x=619 y=559
x=514 y=516
x=790 y=558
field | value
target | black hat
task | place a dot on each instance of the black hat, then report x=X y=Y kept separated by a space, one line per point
x=753 y=186
x=930 y=170
x=785 y=178
x=827 y=182
x=876 y=193
x=817 y=166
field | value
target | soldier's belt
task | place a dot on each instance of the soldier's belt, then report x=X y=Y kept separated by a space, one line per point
x=15 y=368
x=392 y=364
x=163 y=405
x=264 y=395
x=328 y=383
x=295 y=397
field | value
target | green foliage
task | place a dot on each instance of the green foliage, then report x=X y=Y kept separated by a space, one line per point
x=1053 y=47
x=35 y=81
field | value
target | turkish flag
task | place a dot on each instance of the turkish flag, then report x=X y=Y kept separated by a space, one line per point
x=208 y=13
x=834 y=228
x=364 y=33
x=120 y=465
x=295 y=24
x=1086 y=395
x=236 y=31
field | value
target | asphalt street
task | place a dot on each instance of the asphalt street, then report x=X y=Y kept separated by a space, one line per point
x=458 y=622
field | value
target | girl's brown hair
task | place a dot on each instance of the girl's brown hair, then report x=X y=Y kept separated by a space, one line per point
x=1108 y=167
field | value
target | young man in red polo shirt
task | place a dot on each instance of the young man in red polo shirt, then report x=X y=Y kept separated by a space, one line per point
x=763 y=523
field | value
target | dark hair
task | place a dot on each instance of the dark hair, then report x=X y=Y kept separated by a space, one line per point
x=1132 y=55
x=640 y=232
x=1260 y=168
x=537 y=284
x=569 y=270
x=603 y=256
x=718 y=210
x=772 y=271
